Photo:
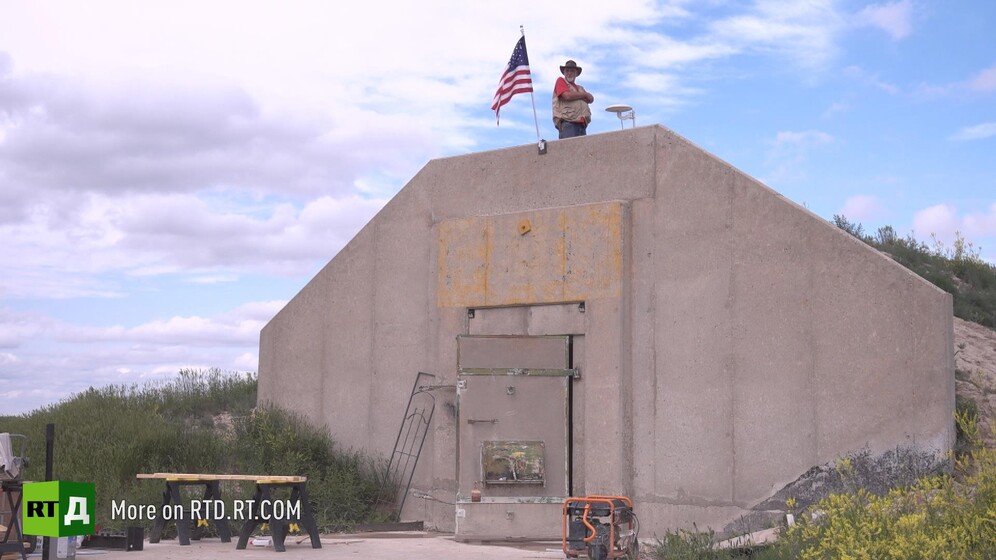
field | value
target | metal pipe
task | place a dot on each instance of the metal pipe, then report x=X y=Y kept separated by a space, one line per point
x=49 y=462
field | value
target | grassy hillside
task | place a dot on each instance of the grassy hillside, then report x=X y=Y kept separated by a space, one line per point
x=201 y=421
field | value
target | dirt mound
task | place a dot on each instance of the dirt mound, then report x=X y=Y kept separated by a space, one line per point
x=975 y=372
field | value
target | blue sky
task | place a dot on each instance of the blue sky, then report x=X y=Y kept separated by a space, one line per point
x=171 y=173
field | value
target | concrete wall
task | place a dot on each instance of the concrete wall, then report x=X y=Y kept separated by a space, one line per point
x=780 y=343
x=732 y=339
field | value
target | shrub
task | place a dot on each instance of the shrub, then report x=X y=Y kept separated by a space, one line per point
x=342 y=485
x=938 y=517
x=687 y=545
x=108 y=435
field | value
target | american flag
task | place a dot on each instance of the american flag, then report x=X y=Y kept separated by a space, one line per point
x=516 y=78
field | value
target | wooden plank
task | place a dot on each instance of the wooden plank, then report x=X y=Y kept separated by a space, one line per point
x=200 y=477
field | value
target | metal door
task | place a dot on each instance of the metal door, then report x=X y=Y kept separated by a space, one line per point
x=513 y=418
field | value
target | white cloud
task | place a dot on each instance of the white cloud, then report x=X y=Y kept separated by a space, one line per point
x=18 y=327
x=31 y=393
x=835 y=108
x=214 y=279
x=944 y=223
x=981 y=223
x=73 y=137
x=187 y=331
x=976 y=132
x=940 y=220
x=801 y=31
x=155 y=234
x=116 y=159
x=100 y=355
x=789 y=152
x=862 y=208
x=258 y=310
x=301 y=116
x=654 y=50
x=860 y=75
x=237 y=327
x=985 y=81
x=895 y=18
x=248 y=361
x=305 y=55
x=982 y=83
x=805 y=138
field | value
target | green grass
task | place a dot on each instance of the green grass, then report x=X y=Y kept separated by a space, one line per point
x=200 y=421
x=687 y=545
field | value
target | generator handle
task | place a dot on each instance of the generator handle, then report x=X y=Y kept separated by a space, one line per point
x=584 y=518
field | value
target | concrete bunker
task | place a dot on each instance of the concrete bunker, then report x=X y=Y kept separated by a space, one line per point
x=624 y=315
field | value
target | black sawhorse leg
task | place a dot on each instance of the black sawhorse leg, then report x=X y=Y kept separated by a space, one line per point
x=263 y=513
x=299 y=493
x=159 y=525
x=212 y=494
x=173 y=510
x=182 y=525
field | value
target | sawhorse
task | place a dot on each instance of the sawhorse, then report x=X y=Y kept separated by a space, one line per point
x=266 y=512
x=174 y=504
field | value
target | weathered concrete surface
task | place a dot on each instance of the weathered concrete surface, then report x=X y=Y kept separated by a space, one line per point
x=731 y=340
x=553 y=258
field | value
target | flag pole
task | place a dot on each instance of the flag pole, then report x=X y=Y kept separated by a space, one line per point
x=539 y=140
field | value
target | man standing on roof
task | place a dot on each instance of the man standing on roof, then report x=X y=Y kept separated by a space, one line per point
x=571 y=114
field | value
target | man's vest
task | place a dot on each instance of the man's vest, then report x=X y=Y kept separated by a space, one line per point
x=570 y=111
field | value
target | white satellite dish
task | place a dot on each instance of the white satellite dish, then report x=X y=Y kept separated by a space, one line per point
x=623 y=112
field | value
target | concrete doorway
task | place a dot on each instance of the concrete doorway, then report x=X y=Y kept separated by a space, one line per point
x=514 y=435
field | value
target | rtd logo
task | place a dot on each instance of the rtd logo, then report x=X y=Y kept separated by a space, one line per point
x=58 y=509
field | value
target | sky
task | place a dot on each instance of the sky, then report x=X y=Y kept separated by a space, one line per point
x=172 y=173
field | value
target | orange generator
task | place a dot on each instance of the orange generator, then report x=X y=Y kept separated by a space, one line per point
x=601 y=527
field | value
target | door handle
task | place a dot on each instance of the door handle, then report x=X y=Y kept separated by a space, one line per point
x=473 y=421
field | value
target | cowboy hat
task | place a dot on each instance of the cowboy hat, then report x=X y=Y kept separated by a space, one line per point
x=570 y=64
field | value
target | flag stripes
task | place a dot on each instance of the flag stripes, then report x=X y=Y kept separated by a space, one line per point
x=515 y=79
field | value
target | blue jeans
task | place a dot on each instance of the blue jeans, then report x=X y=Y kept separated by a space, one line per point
x=572 y=129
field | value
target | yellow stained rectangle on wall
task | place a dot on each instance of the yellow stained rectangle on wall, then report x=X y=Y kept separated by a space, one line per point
x=546 y=256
